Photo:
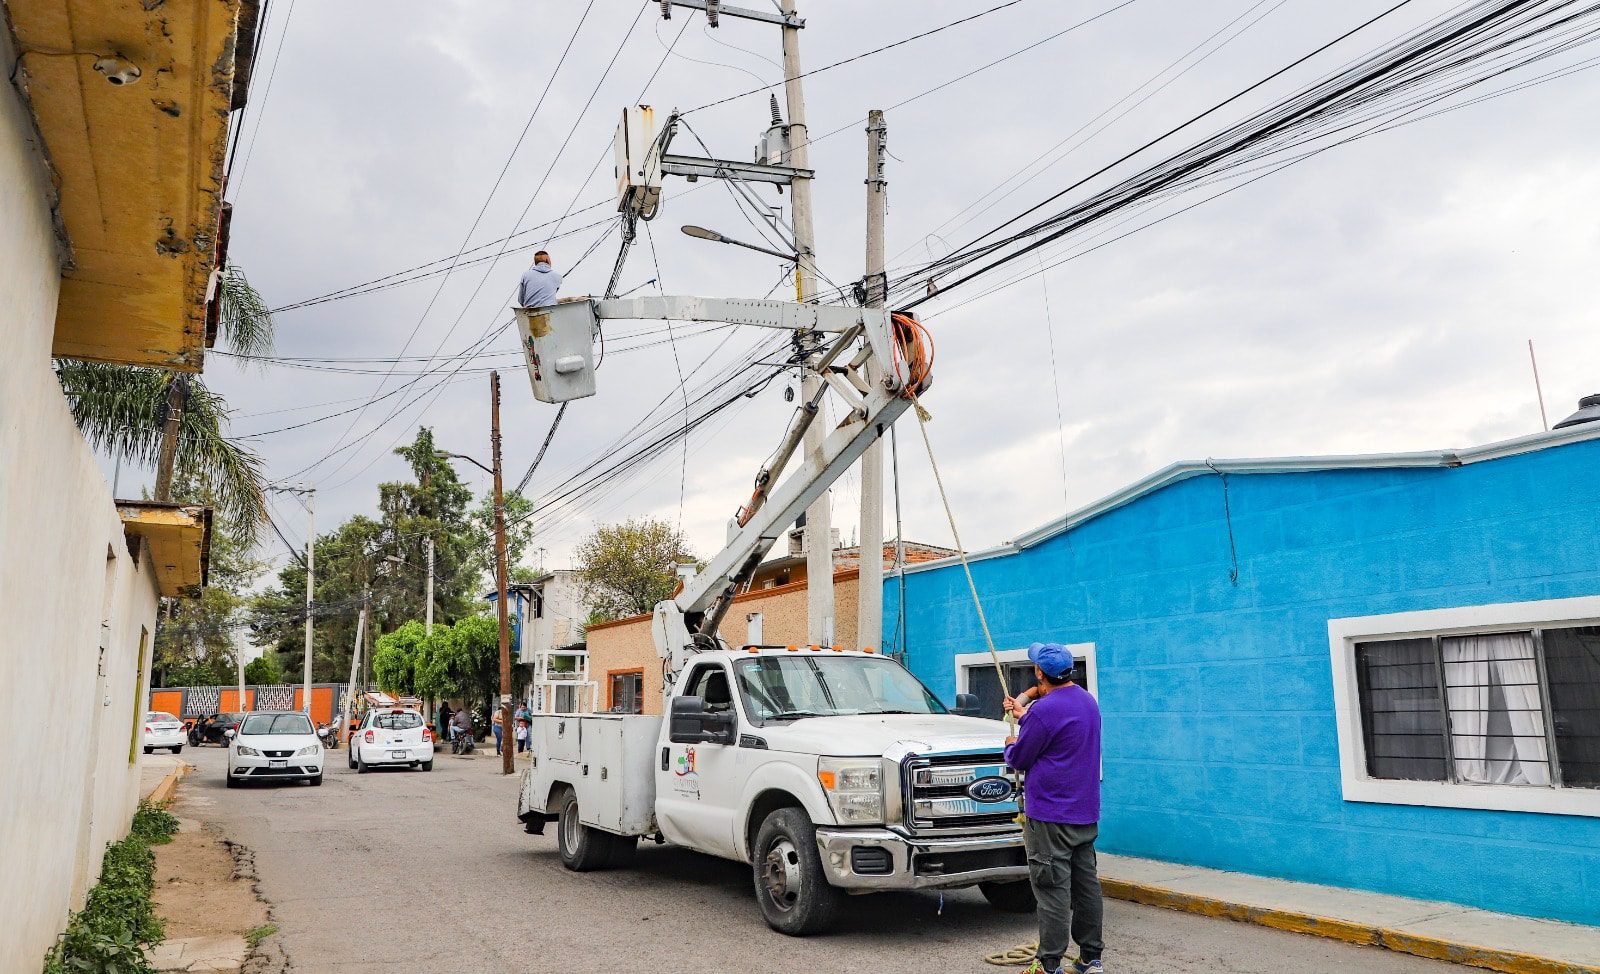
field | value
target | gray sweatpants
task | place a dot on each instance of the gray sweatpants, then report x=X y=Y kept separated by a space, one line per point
x=1061 y=867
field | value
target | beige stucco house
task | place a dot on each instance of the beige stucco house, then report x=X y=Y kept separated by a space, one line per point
x=113 y=126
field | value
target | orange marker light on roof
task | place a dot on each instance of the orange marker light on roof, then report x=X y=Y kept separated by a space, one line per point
x=793 y=648
x=753 y=648
x=838 y=649
x=867 y=650
x=815 y=647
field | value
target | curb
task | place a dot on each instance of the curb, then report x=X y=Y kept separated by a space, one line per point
x=1348 y=931
x=163 y=792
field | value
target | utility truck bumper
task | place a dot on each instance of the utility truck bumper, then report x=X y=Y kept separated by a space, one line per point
x=874 y=859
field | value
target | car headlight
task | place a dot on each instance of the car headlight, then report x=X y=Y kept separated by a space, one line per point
x=309 y=749
x=247 y=751
x=854 y=788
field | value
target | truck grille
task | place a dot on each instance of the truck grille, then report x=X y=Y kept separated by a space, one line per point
x=939 y=791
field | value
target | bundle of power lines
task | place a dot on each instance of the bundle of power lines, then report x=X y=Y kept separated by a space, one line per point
x=1397 y=84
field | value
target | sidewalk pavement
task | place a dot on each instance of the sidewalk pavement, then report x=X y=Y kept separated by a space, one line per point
x=158 y=776
x=1442 y=931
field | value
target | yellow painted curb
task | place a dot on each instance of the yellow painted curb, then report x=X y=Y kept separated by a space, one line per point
x=1351 y=932
x=163 y=792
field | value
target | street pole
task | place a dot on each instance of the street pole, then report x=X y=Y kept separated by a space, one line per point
x=869 y=595
x=507 y=759
x=819 y=517
x=355 y=661
x=167 y=456
x=238 y=661
x=428 y=611
x=311 y=562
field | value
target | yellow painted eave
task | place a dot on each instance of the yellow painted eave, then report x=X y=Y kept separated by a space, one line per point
x=139 y=167
x=179 y=536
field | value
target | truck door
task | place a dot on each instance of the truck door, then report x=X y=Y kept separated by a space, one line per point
x=697 y=785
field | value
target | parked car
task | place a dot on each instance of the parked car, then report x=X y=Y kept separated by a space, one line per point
x=161 y=729
x=213 y=729
x=274 y=744
x=391 y=736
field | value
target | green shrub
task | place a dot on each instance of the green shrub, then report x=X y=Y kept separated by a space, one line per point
x=118 y=922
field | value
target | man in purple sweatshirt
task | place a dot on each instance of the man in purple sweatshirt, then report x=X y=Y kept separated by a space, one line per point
x=1057 y=747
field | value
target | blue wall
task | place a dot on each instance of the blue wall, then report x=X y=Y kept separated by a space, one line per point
x=1220 y=745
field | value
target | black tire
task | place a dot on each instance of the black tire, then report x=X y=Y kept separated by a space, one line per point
x=1010 y=897
x=582 y=848
x=790 y=885
x=623 y=849
x=232 y=781
x=316 y=780
x=177 y=749
x=352 y=758
x=148 y=750
x=426 y=765
x=362 y=767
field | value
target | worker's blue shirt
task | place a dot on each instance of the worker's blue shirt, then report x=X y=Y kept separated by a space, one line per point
x=1058 y=749
x=539 y=287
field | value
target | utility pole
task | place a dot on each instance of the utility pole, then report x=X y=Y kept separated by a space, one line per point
x=311 y=587
x=177 y=395
x=869 y=595
x=355 y=661
x=819 y=517
x=238 y=661
x=507 y=757
x=1538 y=389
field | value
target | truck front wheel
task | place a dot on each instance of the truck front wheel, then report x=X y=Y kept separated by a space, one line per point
x=584 y=848
x=1010 y=897
x=790 y=885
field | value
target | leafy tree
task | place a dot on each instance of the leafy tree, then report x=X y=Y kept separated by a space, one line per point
x=395 y=658
x=263 y=671
x=519 y=537
x=122 y=411
x=627 y=568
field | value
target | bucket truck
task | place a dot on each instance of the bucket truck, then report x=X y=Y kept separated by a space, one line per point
x=829 y=770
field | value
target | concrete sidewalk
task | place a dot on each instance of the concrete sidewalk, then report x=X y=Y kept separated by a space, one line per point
x=159 y=775
x=1442 y=931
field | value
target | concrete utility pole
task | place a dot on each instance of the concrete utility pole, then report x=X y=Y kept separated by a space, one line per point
x=507 y=758
x=819 y=517
x=355 y=662
x=177 y=395
x=311 y=585
x=869 y=595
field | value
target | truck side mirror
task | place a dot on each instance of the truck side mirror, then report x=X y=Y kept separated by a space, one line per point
x=692 y=724
x=967 y=705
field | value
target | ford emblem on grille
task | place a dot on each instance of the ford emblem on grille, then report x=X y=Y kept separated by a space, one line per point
x=990 y=790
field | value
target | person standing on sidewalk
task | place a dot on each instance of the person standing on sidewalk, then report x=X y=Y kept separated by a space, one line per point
x=499 y=731
x=1058 y=749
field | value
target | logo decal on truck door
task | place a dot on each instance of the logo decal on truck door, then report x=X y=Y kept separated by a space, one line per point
x=686 y=781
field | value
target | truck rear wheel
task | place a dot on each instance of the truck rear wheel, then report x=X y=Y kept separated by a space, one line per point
x=790 y=885
x=1010 y=897
x=584 y=848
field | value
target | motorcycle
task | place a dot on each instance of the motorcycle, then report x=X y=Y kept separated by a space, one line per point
x=464 y=741
x=329 y=736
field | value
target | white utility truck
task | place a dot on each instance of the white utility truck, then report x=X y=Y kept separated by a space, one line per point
x=829 y=771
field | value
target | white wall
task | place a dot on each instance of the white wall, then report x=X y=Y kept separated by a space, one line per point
x=65 y=570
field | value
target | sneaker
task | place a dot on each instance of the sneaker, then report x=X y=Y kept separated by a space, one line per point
x=1038 y=968
x=1088 y=967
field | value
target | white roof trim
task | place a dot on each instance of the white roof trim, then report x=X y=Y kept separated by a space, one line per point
x=1176 y=472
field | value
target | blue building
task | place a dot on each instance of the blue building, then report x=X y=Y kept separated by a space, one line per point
x=1377 y=672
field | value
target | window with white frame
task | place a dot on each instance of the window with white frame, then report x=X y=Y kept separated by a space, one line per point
x=1479 y=712
x=975 y=674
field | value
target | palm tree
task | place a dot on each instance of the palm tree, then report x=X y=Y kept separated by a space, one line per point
x=172 y=420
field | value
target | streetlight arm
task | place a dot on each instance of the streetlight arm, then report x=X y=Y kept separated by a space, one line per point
x=463 y=456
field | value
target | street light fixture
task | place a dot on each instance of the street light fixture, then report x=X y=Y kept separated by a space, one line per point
x=715 y=237
x=463 y=456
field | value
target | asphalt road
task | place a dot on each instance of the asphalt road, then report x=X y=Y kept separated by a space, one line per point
x=400 y=870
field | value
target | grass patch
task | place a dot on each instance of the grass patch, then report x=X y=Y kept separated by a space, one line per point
x=118 y=922
x=254 y=937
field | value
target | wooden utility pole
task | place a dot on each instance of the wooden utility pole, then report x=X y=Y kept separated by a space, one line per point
x=819 y=517
x=869 y=595
x=507 y=757
x=177 y=395
x=311 y=584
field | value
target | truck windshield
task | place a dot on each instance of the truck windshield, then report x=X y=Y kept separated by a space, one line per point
x=781 y=687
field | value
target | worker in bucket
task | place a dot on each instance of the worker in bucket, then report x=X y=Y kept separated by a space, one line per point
x=539 y=283
x=1058 y=750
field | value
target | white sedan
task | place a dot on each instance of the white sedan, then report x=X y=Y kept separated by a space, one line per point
x=271 y=745
x=392 y=736
x=163 y=730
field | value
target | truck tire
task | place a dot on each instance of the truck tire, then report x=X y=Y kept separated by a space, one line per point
x=1010 y=897
x=623 y=848
x=790 y=885
x=582 y=848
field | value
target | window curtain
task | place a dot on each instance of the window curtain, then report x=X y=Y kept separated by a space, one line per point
x=1496 y=714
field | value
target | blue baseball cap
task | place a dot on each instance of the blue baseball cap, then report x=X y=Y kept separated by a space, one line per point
x=1053 y=658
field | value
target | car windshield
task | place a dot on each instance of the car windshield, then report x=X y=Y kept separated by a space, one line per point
x=157 y=717
x=782 y=687
x=275 y=724
x=400 y=721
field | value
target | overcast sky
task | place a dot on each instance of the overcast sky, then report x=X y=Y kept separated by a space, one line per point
x=1377 y=298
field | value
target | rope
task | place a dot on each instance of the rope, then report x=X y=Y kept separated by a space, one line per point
x=1020 y=954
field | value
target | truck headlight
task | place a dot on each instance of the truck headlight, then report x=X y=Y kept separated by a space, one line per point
x=854 y=789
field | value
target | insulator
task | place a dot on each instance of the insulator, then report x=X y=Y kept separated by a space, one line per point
x=777 y=116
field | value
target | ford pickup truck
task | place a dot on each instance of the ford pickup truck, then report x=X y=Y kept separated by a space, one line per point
x=830 y=772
